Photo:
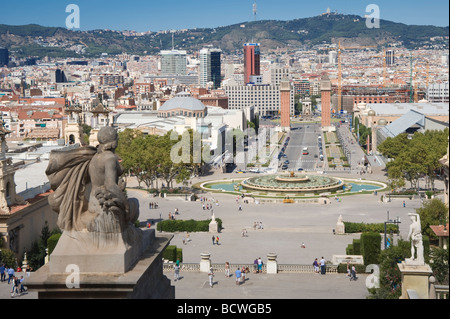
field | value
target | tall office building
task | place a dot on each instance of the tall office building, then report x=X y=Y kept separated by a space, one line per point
x=325 y=88
x=210 y=67
x=4 y=57
x=252 y=58
x=390 y=57
x=173 y=62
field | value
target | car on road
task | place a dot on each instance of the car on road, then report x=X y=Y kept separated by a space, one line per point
x=300 y=169
x=284 y=167
x=240 y=172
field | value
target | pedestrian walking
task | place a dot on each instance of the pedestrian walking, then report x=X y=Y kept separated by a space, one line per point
x=22 y=287
x=404 y=204
x=213 y=239
x=322 y=266
x=211 y=277
x=2 y=272
x=238 y=276
x=227 y=269
x=353 y=274
x=176 y=272
x=15 y=286
x=10 y=272
x=217 y=240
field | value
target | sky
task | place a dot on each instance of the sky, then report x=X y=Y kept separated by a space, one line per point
x=152 y=15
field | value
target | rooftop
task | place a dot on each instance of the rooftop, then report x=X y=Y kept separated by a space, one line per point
x=403 y=108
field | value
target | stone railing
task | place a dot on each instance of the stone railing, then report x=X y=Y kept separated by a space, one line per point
x=441 y=291
x=282 y=268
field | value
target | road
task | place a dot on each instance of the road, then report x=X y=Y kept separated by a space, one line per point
x=303 y=135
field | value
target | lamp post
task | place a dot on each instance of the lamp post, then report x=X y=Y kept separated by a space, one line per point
x=389 y=221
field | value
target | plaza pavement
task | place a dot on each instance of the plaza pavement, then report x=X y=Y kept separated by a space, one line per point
x=286 y=227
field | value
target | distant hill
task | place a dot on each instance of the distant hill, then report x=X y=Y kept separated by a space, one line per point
x=35 y=40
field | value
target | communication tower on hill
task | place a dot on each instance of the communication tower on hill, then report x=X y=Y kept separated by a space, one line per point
x=255 y=10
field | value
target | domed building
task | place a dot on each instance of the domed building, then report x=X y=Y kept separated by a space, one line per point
x=183 y=104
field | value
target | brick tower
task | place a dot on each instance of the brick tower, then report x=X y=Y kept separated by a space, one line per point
x=325 y=88
x=285 y=103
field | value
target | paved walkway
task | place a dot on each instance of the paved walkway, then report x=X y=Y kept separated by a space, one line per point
x=286 y=227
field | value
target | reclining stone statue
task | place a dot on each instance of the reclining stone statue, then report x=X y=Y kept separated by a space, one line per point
x=89 y=196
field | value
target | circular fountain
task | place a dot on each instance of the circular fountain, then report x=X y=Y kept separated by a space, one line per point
x=293 y=182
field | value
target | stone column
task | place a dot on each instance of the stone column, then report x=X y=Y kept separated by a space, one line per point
x=272 y=265
x=205 y=263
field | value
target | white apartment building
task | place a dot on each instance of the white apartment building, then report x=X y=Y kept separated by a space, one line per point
x=264 y=98
x=438 y=92
x=277 y=73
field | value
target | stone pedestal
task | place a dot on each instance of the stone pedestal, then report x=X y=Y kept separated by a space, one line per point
x=340 y=227
x=205 y=263
x=415 y=277
x=213 y=227
x=144 y=279
x=272 y=265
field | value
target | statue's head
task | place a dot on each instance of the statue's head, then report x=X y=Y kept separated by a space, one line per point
x=107 y=136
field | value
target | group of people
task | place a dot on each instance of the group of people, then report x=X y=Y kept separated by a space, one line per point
x=215 y=240
x=153 y=205
x=320 y=266
x=240 y=273
x=258 y=225
x=17 y=287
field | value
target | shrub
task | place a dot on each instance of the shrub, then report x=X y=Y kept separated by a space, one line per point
x=376 y=228
x=179 y=254
x=370 y=247
x=51 y=242
x=349 y=250
x=357 y=246
x=170 y=253
x=190 y=225
x=342 y=268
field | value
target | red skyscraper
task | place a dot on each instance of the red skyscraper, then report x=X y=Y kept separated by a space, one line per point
x=251 y=61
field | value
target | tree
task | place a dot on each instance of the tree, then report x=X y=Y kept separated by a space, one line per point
x=390 y=276
x=439 y=265
x=416 y=157
x=432 y=212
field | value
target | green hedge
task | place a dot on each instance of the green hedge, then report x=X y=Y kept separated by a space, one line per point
x=357 y=246
x=376 y=228
x=51 y=242
x=190 y=225
x=172 y=253
x=180 y=254
x=370 y=247
x=342 y=268
x=350 y=250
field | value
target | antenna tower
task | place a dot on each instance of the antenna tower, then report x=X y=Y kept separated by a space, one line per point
x=255 y=10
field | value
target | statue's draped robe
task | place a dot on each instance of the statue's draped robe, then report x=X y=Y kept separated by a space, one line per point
x=68 y=175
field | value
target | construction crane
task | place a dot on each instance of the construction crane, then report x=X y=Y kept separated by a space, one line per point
x=339 y=52
x=384 y=67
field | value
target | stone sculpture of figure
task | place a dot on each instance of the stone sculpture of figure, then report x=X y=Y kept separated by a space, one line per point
x=415 y=235
x=88 y=191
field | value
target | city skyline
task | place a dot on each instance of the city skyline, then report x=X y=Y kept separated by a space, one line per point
x=176 y=15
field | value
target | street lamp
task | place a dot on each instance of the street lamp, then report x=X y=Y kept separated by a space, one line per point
x=389 y=221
